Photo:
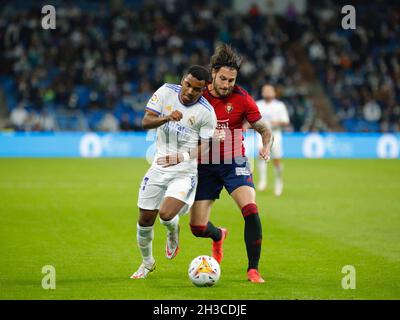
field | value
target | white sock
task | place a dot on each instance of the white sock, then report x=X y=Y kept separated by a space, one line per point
x=171 y=225
x=278 y=171
x=145 y=237
x=262 y=170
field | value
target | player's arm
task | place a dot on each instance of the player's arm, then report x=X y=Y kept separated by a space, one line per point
x=153 y=120
x=267 y=138
x=208 y=133
x=194 y=153
x=199 y=152
x=247 y=125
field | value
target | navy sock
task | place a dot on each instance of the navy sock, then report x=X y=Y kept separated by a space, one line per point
x=252 y=234
x=206 y=231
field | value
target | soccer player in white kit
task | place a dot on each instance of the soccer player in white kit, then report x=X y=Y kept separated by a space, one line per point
x=275 y=113
x=182 y=118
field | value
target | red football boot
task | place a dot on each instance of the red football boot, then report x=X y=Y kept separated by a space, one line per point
x=217 y=250
x=254 y=276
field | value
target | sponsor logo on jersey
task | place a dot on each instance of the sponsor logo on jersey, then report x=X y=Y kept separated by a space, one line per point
x=223 y=124
x=175 y=128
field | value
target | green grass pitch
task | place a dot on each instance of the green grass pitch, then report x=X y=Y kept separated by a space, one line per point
x=79 y=215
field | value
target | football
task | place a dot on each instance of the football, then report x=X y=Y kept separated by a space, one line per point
x=204 y=271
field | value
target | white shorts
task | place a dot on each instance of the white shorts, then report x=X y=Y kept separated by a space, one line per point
x=277 y=150
x=156 y=185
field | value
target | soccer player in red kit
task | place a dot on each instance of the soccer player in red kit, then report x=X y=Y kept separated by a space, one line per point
x=227 y=165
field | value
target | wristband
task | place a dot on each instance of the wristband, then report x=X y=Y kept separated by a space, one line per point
x=186 y=156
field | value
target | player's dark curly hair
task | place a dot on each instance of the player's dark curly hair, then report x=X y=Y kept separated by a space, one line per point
x=225 y=56
x=199 y=72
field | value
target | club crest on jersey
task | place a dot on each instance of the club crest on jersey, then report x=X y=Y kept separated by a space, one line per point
x=192 y=120
x=168 y=108
x=229 y=108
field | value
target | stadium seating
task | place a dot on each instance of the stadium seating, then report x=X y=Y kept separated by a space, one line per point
x=99 y=60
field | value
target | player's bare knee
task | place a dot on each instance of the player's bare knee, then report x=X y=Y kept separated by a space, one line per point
x=147 y=218
x=167 y=215
x=143 y=222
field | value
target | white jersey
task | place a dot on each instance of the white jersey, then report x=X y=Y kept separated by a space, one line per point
x=199 y=120
x=273 y=111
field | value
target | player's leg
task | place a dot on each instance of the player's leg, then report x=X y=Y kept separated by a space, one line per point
x=238 y=181
x=144 y=236
x=169 y=209
x=201 y=227
x=208 y=189
x=245 y=198
x=179 y=197
x=150 y=196
x=199 y=220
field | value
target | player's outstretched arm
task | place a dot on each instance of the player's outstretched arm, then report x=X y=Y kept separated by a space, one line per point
x=267 y=138
x=152 y=120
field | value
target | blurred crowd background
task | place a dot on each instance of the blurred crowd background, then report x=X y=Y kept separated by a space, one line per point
x=98 y=68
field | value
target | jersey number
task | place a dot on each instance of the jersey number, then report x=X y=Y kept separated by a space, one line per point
x=144 y=183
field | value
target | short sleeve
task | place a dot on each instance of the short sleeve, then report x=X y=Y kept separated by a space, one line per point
x=156 y=101
x=284 y=115
x=209 y=125
x=252 y=112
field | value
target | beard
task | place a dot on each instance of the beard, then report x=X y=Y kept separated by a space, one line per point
x=223 y=94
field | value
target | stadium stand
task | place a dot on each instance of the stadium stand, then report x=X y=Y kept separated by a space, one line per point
x=98 y=68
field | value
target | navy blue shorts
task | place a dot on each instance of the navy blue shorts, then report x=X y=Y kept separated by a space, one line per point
x=213 y=177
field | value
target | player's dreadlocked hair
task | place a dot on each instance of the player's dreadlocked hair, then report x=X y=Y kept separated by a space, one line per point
x=225 y=56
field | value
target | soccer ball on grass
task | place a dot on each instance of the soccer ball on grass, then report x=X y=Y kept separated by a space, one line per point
x=204 y=271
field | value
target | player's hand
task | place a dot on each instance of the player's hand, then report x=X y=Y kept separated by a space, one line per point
x=170 y=160
x=219 y=135
x=175 y=116
x=265 y=153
